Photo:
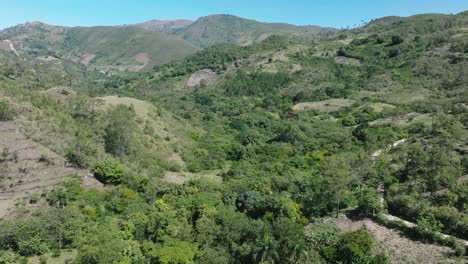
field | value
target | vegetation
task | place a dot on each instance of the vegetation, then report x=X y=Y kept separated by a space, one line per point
x=109 y=49
x=258 y=179
x=216 y=29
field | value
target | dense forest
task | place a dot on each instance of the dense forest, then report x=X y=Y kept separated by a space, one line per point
x=248 y=154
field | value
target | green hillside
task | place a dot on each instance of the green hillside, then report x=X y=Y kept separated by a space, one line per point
x=102 y=48
x=349 y=148
x=217 y=29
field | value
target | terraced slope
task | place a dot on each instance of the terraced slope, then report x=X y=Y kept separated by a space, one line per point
x=28 y=167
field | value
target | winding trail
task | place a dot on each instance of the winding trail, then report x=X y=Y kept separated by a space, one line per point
x=381 y=190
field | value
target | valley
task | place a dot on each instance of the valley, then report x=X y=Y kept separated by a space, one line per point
x=228 y=140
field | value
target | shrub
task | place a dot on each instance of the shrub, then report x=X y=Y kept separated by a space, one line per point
x=6 y=112
x=355 y=245
x=397 y=40
x=369 y=202
x=108 y=171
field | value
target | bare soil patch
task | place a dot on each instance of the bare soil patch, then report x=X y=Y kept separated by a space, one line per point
x=201 y=76
x=347 y=60
x=400 y=248
x=61 y=93
x=402 y=119
x=29 y=167
x=296 y=68
x=324 y=106
x=87 y=58
x=47 y=58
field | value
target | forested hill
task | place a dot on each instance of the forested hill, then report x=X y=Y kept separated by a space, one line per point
x=245 y=154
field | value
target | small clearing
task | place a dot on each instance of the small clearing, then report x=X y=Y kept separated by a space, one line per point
x=198 y=77
x=143 y=59
x=47 y=58
x=379 y=107
x=295 y=68
x=330 y=105
x=400 y=248
x=182 y=177
x=61 y=93
x=347 y=61
x=87 y=58
x=388 y=148
x=142 y=108
x=402 y=119
x=29 y=167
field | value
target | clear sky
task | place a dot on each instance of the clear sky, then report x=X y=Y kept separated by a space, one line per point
x=334 y=13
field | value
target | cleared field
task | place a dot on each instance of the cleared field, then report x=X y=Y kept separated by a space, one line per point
x=28 y=167
x=403 y=119
x=182 y=177
x=379 y=107
x=347 y=61
x=142 y=108
x=324 y=106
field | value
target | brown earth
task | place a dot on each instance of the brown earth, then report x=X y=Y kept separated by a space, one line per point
x=347 y=61
x=201 y=76
x=29 y=168
x=87 y=58
x=400 y=249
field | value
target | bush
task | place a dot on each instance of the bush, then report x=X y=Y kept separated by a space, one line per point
x=355 y=245
x=6 y=112
x=369 y=202
x=396 y=40
x=108 y=171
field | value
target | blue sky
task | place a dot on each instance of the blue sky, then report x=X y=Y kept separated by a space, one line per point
x=335 y=13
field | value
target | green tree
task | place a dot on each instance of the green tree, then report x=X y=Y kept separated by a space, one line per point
x=109 y=171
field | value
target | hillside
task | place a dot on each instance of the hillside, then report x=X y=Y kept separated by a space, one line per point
x=216 y=29
x=345 y=149
x=167 y=26
x=101 y=48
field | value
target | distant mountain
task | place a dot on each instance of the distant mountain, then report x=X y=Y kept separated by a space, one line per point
x=167 y=26
x=126 y=48
x=413 y=24
x=215 y=29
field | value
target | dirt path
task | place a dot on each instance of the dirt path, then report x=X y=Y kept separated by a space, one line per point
x=381 y=190
x=400 y=248
x=10 y=45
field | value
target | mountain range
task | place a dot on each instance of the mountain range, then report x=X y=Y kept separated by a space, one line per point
x=144 y=45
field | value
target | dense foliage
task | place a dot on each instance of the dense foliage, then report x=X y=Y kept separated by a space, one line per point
x=260 y=175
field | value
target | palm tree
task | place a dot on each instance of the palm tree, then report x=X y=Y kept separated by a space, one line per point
x=266 y=250
x=298 y=249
